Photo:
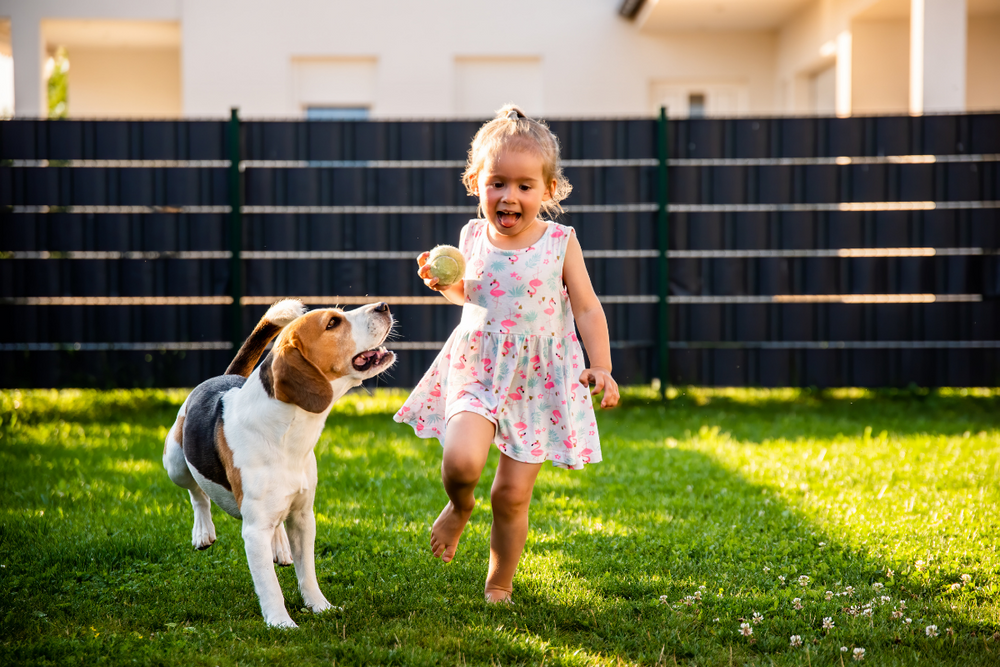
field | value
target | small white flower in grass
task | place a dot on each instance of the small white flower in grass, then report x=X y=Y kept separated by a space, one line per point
x=745 y=629
x=702 y=587
x=931 y=631
x=949 y=632
x=822 y=544
x=803 y=581
x=688 y=600
x=920 y=565
x=955 y=587
x=767 y=569
x=781 y=578
x=716 y=620
x=796 y=641
x=859 y=654
x=853 y=611
x=760 y=513
x=843 y=649
x=966 y=578
x=867 y=612
x=797 y=603
x=877 y=586
x=690 y=489
x=902 y=604
x=828 y=623
x=889 y=573
x=897 y=614
x=664 y=599
x=907 y=620
x=849 y=590
x=829 y=595
x=885 y=599
x=697 y=595
x=757 y=618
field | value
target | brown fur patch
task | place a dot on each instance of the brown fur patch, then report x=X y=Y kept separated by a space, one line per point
x=232 y=472
x=309 y=356
x=178 y=434
x=252 y=349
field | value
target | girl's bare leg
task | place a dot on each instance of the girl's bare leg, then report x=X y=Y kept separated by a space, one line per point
x=466 y=446
x=511 y=496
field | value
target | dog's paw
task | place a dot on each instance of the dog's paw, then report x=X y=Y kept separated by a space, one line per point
x=202 y=537
x=281 y=621
x=280 y=548
x=317 y=602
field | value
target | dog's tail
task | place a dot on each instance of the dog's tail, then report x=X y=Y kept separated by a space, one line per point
x=274 y=320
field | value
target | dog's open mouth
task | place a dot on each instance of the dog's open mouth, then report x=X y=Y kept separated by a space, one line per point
x=372 y=358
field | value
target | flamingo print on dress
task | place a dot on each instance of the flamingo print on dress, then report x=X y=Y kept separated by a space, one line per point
x=516 y=394
x=536 y=363
x=556 y=416
x=496 y=292
x=570 y=442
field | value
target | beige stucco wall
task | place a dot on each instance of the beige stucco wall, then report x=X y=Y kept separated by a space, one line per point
x=982 y=89
x=591 y=62
x=880 y=69
x=140 y=83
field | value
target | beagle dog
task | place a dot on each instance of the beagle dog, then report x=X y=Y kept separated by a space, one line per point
x=245 y=439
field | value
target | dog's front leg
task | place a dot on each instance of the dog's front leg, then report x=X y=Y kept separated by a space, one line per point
x=257 y=536
x=302 y=539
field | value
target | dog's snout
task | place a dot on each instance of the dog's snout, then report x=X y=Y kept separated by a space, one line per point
x=381 y=307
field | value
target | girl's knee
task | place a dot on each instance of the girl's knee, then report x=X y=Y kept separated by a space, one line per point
x=459 y=469
x=510 y=500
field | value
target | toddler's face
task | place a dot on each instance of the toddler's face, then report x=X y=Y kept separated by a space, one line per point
x=511 y=191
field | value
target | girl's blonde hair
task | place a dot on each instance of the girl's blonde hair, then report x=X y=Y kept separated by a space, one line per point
x=514 y=130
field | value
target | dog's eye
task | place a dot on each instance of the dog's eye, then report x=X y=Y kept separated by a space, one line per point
x=333 y=323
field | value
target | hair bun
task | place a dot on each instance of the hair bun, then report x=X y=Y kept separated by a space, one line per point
x=510 y=112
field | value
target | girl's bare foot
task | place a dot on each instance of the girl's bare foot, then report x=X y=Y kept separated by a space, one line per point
x=446 y=530
x=498 y=596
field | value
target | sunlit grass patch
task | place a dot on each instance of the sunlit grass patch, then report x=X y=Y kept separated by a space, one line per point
x=729 y=526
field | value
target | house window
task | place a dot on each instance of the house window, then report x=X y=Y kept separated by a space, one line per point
x=696 y=105
x=336 y=113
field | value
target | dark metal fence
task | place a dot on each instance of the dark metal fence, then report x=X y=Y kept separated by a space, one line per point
x=800 y=251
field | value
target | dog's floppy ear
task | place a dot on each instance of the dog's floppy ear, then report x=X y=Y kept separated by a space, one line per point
x=298 y=381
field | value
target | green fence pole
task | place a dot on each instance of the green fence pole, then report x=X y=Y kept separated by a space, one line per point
x=235 y=231
x=663 y=230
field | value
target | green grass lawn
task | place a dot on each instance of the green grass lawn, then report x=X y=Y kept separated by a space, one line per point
x=875 y=510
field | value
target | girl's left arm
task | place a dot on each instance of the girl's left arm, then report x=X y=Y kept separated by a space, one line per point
x=592 y=322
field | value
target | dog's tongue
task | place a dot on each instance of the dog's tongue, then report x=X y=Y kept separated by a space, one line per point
x=363 y=358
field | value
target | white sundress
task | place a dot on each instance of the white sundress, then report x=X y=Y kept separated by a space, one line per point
x=515 y=358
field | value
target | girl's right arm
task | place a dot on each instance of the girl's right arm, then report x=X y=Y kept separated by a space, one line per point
x=454 y=293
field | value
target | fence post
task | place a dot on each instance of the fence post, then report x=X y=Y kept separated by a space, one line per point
x=235 y=231
x=663 y=230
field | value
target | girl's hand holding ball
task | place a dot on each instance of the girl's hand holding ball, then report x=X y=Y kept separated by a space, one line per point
x=442 y=267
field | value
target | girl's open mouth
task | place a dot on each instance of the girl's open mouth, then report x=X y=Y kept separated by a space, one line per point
x=508 y=218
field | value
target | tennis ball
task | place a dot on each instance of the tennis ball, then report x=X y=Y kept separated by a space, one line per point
x=447 y=264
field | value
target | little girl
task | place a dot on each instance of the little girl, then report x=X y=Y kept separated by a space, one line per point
x=513 y=373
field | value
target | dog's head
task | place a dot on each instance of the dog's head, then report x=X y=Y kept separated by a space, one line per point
x=324 y=346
